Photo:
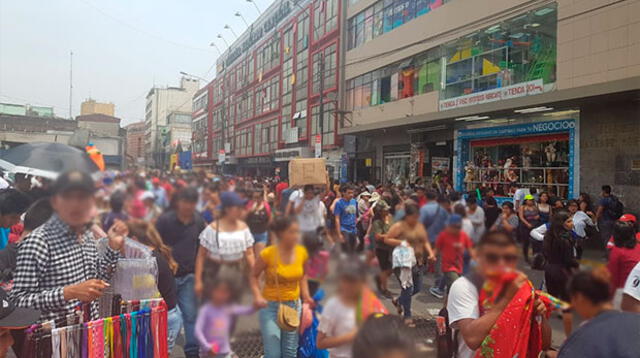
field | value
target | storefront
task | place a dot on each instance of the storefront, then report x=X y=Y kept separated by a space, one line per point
x=531 y=154
x=396 y=164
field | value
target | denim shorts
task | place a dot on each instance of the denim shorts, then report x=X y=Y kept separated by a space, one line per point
x=260 y=238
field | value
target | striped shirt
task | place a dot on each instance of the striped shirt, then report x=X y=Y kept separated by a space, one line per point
x=54 y=256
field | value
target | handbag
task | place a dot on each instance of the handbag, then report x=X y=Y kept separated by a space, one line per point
x=287 y=317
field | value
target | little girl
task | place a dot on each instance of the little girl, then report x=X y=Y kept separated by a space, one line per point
x=216 y=317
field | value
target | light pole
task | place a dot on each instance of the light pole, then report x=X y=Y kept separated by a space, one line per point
x=238 y=14
x=256 y=5
x=213 y=44
x=227 y=27
x=222 y=38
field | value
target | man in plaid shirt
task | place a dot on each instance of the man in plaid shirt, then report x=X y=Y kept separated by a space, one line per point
x=58 y=264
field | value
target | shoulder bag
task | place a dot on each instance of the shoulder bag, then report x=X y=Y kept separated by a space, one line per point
x=288 y=318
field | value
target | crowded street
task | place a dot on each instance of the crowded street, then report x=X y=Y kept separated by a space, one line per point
x=320 y=179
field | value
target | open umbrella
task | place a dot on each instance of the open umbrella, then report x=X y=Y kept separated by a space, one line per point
x=46 y=160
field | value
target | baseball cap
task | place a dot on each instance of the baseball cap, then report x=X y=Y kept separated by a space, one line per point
x=230 y=199
x=628 y=218
x=74 y=180
x=454 y=220
x=529 y=197
x=14 y=317
x=155 y=181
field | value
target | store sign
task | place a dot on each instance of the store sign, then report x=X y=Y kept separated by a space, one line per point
x=439 y=164
x=285 y=155
x=498 y=94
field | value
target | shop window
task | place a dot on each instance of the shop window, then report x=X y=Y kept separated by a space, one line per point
x=302 y=75
x=517 y=50
x=540 y=162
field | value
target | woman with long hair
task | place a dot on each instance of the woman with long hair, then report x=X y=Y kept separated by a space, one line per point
x=146 y=234
x=285 y=282
x=544 y=207
x=561 y=262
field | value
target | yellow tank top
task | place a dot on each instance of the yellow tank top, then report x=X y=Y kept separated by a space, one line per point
x=289 y=276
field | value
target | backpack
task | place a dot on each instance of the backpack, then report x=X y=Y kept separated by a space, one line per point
x=446 y=339
x=615 y=209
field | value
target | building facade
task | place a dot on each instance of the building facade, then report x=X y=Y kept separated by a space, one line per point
x=161 y=103
x=135 y=148
x=495 y=94
x=275 y=91
x=90 y=106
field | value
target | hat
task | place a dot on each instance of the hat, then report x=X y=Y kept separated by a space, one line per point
x=454 y=220
x=230 y=199
x=147 y=195
x=15 y=317
x=155 y=181
x=628 y=218
x=74 y=180
x=529 y=197
x=374 y=197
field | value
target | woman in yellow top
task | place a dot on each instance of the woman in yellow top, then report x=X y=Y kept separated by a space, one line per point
x=285 y=259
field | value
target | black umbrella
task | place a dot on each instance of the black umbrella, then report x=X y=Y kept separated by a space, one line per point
x=46 y=160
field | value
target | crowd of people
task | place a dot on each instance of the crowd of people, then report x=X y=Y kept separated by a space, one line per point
x=220 y=240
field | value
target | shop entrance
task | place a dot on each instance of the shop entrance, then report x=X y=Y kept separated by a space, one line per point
x=396 y=167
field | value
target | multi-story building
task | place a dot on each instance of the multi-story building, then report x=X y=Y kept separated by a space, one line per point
x=273 y=85
x=491 y=93
x=135 y=149
x=161 y=103
x=90 y=106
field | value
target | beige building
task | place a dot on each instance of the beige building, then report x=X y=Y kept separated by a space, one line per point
x=490 y=93
x=161 y=103
x=90 y=106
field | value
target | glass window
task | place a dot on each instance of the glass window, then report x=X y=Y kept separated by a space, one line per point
x=303 y=32
x=300 y=117
x=302 y=74
x=368 y=24
x=329 y=118
x=287 y=38
x=517 y=50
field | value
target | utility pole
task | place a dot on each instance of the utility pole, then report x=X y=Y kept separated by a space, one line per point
x=71 y=85
x=321 y=114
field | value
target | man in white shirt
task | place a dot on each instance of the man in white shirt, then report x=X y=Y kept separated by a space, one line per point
x=631 y=292
x=518 y=196
x=495 y=251
x=309 y=210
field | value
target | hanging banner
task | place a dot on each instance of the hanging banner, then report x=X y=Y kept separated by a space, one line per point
x=498 y=94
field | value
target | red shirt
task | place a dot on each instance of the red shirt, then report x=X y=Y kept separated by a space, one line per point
x=610 y=243
x=621 y=261
x=279 y=188
x=422 y=201
x=452 y=249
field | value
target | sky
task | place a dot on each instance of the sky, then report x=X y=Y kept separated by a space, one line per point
x=121 y=48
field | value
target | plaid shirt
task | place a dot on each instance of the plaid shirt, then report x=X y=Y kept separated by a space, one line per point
x=52 y=257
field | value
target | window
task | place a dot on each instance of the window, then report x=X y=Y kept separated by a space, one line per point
x=300 y=117
x=517 y=50
x=244 y=141
x=329 y=121
x=325 y=17
x=266 y=136
x=201 y=102
x=287 y=37
x=329 y=71
x=266 y=95
x=303 y=32
x=302 y=74
x=268 y=56
x=413 y=76
x=384 y=16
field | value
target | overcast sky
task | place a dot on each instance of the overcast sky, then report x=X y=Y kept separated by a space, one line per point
x=121 y=48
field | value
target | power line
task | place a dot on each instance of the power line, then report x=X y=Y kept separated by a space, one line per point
x=150 y=34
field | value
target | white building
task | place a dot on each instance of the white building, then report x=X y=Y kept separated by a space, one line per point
x=161 y=103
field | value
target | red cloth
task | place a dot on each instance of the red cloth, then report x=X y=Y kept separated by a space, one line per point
x=621 y=261
x=137 y=209
x=369 y=304
x=516 y=333
x=452 y=250
x=422 y=201
x=407 y=83
x=280 y=187
x=610 y=243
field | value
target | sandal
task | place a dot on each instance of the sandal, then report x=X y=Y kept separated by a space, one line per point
x=397 y=305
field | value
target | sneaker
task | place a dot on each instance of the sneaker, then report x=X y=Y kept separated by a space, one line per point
x=435 y=292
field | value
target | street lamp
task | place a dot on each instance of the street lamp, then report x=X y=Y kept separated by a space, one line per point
x=222 y=38
x=194 y=76
x=238 y=14
x=256 y=5
x=213 y=44
x=227 y=27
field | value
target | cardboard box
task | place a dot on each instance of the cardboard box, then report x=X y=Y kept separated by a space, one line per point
x=307 y=171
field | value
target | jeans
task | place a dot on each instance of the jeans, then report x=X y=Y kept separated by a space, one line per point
x=260 y=238
x=350 y=242
x=189 y=307
x=174 y=323
x=406 y=294
x=277 y=343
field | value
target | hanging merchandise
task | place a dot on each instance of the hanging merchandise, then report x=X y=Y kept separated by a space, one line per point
x=140 y=333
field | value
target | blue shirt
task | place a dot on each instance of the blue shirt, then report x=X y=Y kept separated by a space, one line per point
x=346 y=211
x=434 y=218
x=609 y=334
x=161 y=197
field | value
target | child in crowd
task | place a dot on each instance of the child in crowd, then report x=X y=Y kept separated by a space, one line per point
x=451 y=244
x=384 y=336
x=215 y=317
x=317 y=266
x=338 y=326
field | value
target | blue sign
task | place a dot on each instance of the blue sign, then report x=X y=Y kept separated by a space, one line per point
x=466 y=135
